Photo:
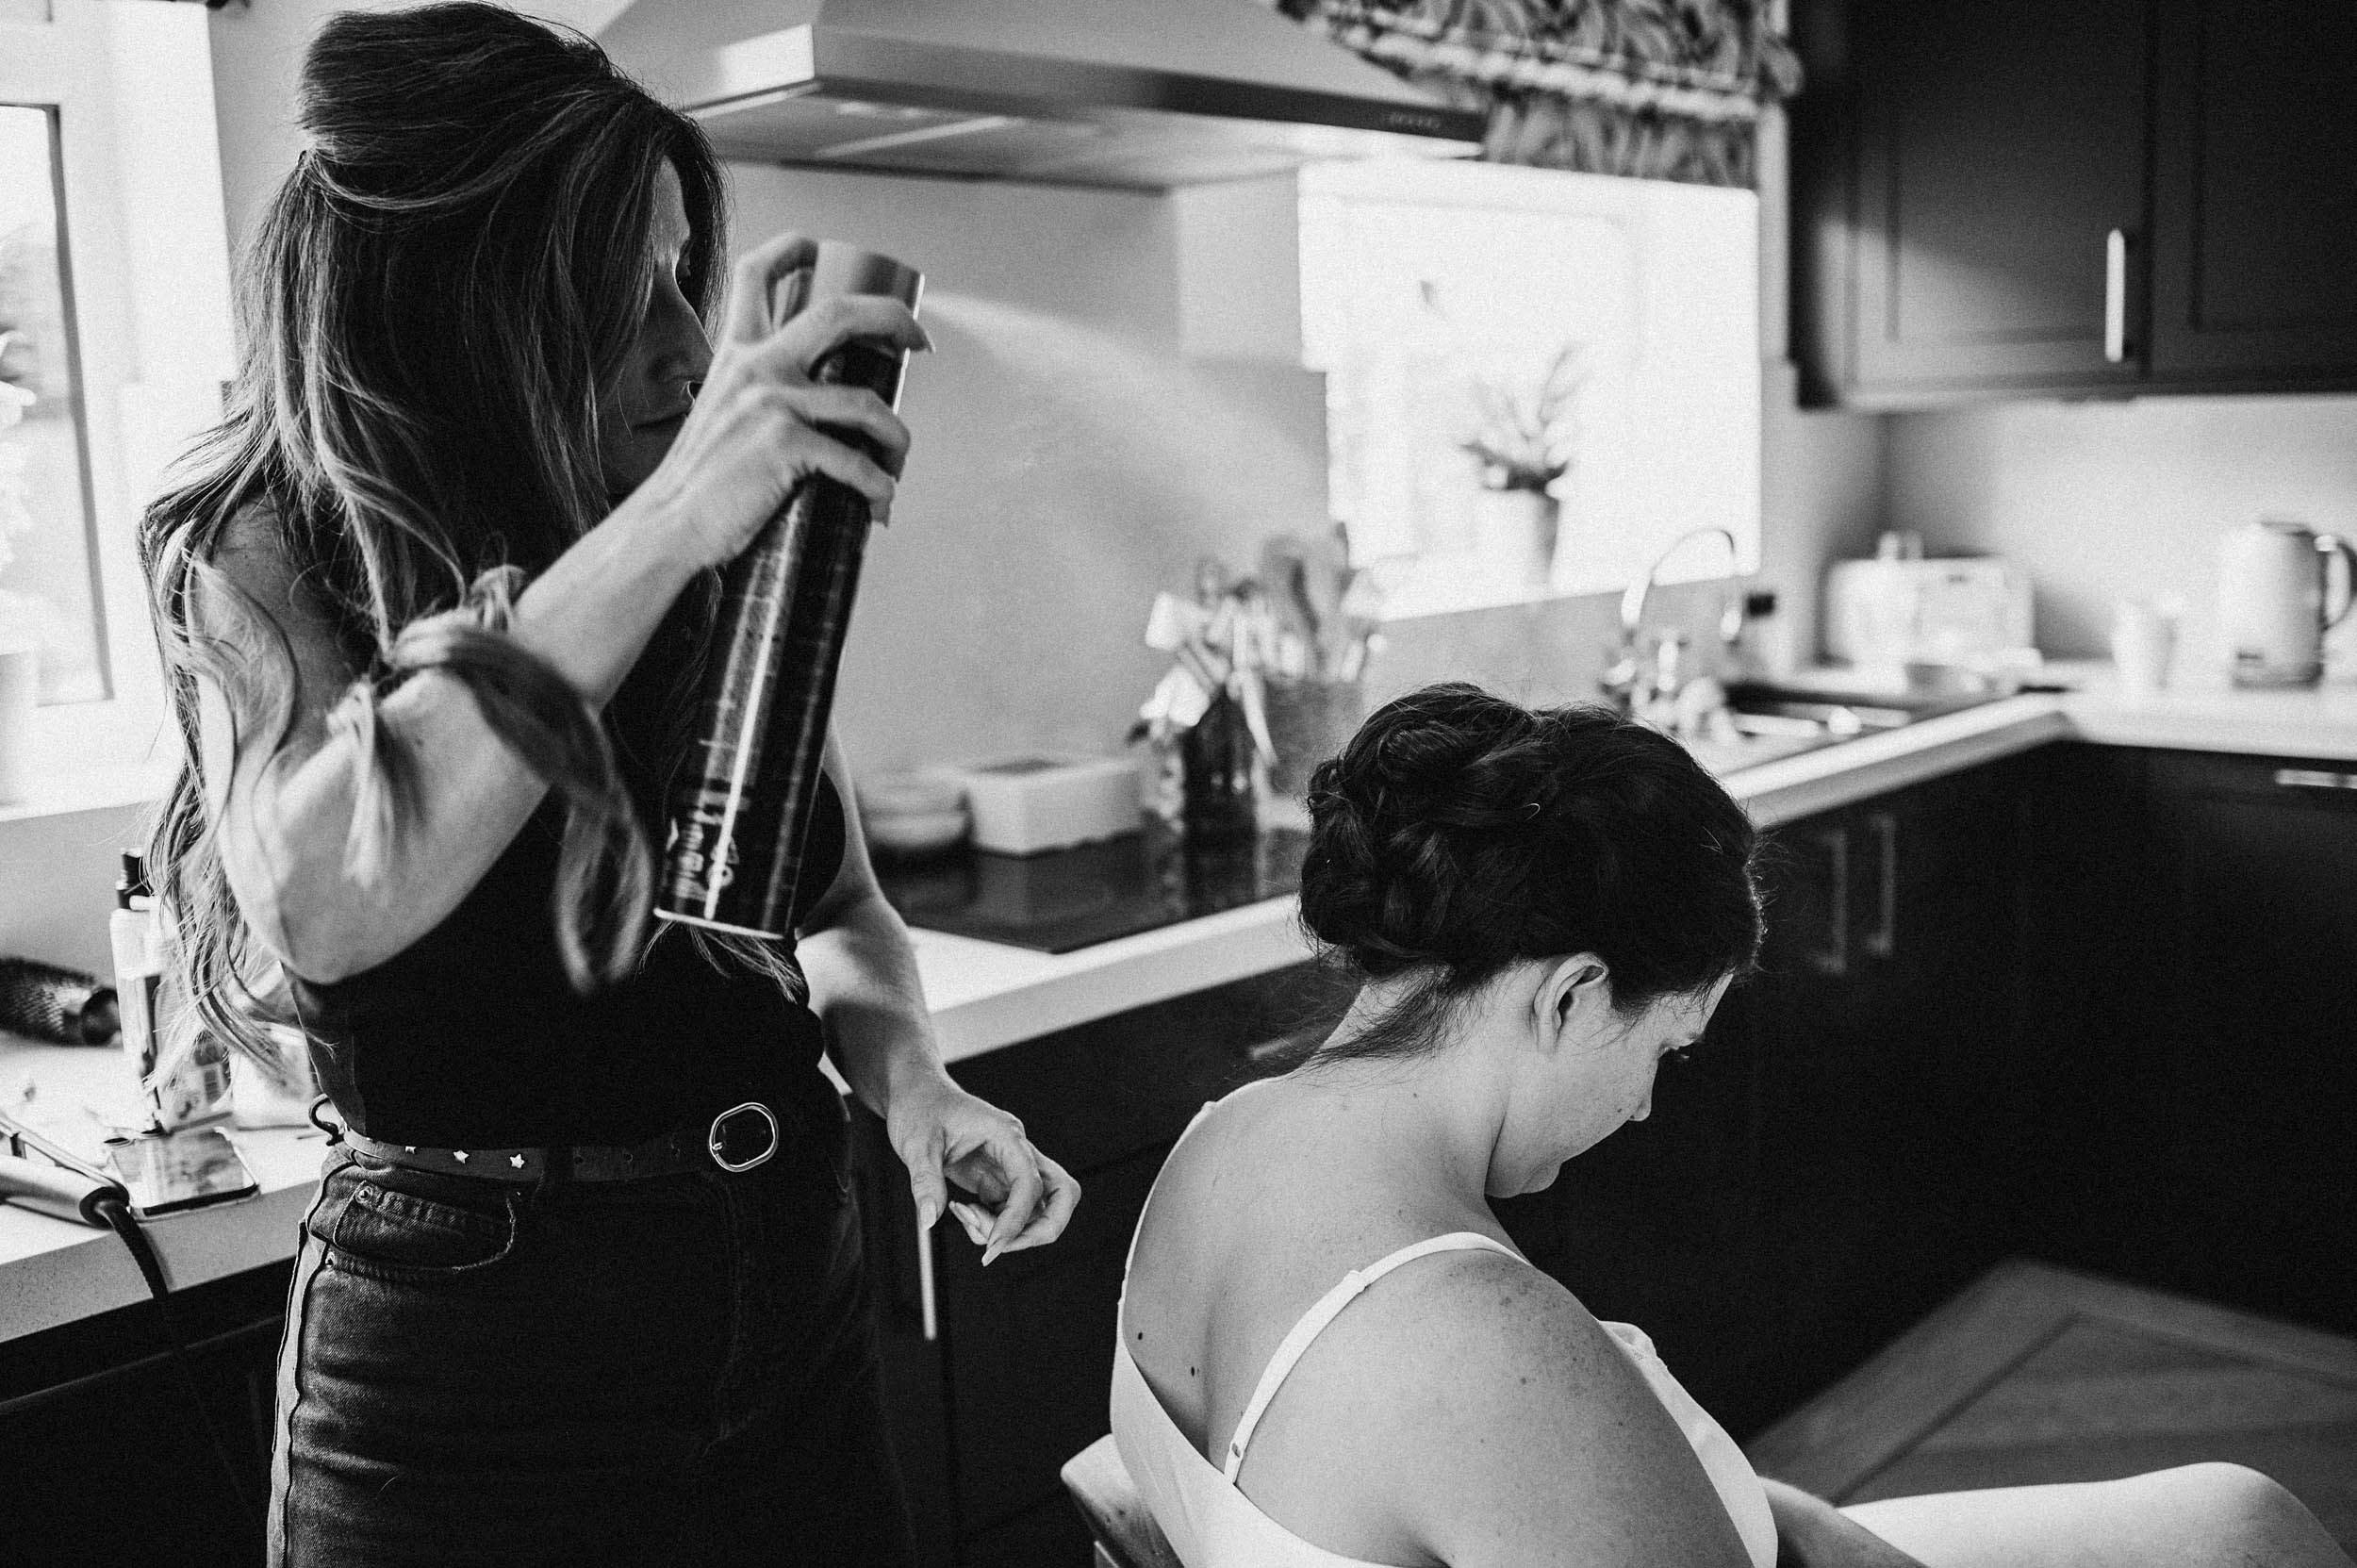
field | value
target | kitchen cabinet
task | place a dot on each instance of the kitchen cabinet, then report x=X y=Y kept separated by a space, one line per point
x=2195 y=931
x=1959 y=171
x=2122 y=196
x=2093 y=900
x=2252 y=1033
x=2254 y=215
x=105 y=1458
x=1888 y=1087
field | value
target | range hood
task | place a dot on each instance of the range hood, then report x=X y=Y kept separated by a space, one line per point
x=1136 y=94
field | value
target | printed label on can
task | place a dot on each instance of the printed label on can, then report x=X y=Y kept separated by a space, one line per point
x=706 y=849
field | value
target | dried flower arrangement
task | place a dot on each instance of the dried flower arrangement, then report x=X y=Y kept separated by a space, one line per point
x=1524 y=436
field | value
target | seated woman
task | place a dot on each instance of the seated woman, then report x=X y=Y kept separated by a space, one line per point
x=1331 y=1354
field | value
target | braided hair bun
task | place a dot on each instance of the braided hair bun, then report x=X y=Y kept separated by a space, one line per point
x=1459 y=832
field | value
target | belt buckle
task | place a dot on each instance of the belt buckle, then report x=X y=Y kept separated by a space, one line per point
x=713 y=1137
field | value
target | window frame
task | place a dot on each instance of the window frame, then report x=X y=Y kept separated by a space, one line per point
x=1439 y=185
x=146 y=272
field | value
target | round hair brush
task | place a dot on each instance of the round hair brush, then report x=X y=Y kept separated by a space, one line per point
x=48 y=1003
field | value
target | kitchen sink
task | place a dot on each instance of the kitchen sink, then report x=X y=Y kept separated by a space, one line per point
x=1774 y=721
x=1857 y=710
x=1748 y=750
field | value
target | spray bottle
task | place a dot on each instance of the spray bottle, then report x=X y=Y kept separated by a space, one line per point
x=737 y=820
x=183 y=1071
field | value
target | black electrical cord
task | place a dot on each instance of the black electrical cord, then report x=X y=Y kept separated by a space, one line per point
x=119 y=1217
x=96 y=1198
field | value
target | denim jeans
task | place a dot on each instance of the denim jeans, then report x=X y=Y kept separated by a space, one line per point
x=680 y=1370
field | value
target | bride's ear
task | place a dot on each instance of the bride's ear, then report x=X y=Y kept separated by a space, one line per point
x=1572 y=1000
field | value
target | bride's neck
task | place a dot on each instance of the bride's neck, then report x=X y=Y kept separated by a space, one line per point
x=1437 y=1109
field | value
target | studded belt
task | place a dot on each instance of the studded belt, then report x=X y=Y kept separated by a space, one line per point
x=739 y=1139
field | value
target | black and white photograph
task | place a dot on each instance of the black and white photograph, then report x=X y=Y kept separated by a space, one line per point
x=1178 y=784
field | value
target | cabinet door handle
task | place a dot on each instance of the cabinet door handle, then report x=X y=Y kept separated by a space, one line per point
x=1834 y=957
x=1882 y=940
x=2116 y=296
x=2314 y=778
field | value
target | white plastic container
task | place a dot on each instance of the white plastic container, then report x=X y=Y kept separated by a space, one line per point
x=1029 y=804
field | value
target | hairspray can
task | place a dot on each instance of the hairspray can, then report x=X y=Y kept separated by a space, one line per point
x=739 y=818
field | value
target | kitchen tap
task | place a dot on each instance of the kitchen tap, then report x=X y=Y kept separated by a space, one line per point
x=1657 y=684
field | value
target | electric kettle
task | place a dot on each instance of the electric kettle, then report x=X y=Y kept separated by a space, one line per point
x=2272 y=601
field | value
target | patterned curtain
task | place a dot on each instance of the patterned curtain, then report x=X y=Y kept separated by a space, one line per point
x=1666 y=90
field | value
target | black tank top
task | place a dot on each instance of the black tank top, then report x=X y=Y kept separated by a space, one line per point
x=473 y=1034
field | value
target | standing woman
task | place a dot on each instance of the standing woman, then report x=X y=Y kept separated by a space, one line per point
x=583 y=1280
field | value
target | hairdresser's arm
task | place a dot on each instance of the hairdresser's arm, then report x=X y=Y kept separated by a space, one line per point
x=285 y=813
x=864 y=984
x=285 y=819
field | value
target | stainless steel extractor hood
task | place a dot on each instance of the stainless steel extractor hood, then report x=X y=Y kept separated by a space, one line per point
x=1138 y=95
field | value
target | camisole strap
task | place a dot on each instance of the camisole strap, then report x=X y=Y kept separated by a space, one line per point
x=1312 y=1323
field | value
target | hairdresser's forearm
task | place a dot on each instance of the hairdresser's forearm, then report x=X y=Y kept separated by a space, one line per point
x=590 y=616
x=591 y=612
x=864 y=984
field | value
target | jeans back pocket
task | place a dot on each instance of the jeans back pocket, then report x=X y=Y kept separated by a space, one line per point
x=379 y=1230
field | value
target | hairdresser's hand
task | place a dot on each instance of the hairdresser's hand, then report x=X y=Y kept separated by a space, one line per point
x=756 y=428
x=949 y=1139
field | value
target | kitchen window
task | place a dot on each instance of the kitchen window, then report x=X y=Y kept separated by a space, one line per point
x=47 y=594
x=1535 y=380
x=115 y=340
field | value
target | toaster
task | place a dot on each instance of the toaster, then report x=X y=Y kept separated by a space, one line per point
x=1972 y=611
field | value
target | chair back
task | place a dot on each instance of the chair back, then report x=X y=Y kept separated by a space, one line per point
x=1126 y=1536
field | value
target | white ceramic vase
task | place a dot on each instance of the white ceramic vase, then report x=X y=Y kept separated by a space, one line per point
x=1514 y=535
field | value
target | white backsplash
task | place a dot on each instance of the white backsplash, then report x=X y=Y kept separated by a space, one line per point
x=2103 y=500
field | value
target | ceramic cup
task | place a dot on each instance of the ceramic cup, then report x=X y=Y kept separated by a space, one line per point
x=2144 y=640
x=20 y=674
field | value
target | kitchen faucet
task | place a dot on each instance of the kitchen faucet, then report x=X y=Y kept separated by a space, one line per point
x=1659 y=690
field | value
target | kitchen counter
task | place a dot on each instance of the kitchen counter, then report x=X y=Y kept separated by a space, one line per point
x=985 y=994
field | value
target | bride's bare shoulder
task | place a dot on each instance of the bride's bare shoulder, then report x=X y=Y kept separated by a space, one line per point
x=1509 y=1426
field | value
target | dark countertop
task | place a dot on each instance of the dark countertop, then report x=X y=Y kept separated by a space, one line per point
x=1070 y=899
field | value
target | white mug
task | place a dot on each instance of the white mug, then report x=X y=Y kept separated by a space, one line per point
x=2144 y=639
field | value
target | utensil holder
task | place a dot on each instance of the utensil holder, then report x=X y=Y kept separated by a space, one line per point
x=1309 y=722
x=1219 y=772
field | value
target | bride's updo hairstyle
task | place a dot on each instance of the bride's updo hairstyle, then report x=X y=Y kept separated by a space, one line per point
x=1458 y=833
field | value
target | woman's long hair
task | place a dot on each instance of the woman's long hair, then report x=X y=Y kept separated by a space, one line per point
x=455 y=267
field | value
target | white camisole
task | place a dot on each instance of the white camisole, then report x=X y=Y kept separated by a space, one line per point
x=1212 y=1523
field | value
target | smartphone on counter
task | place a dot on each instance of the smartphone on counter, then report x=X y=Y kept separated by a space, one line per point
x=167 y=1172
